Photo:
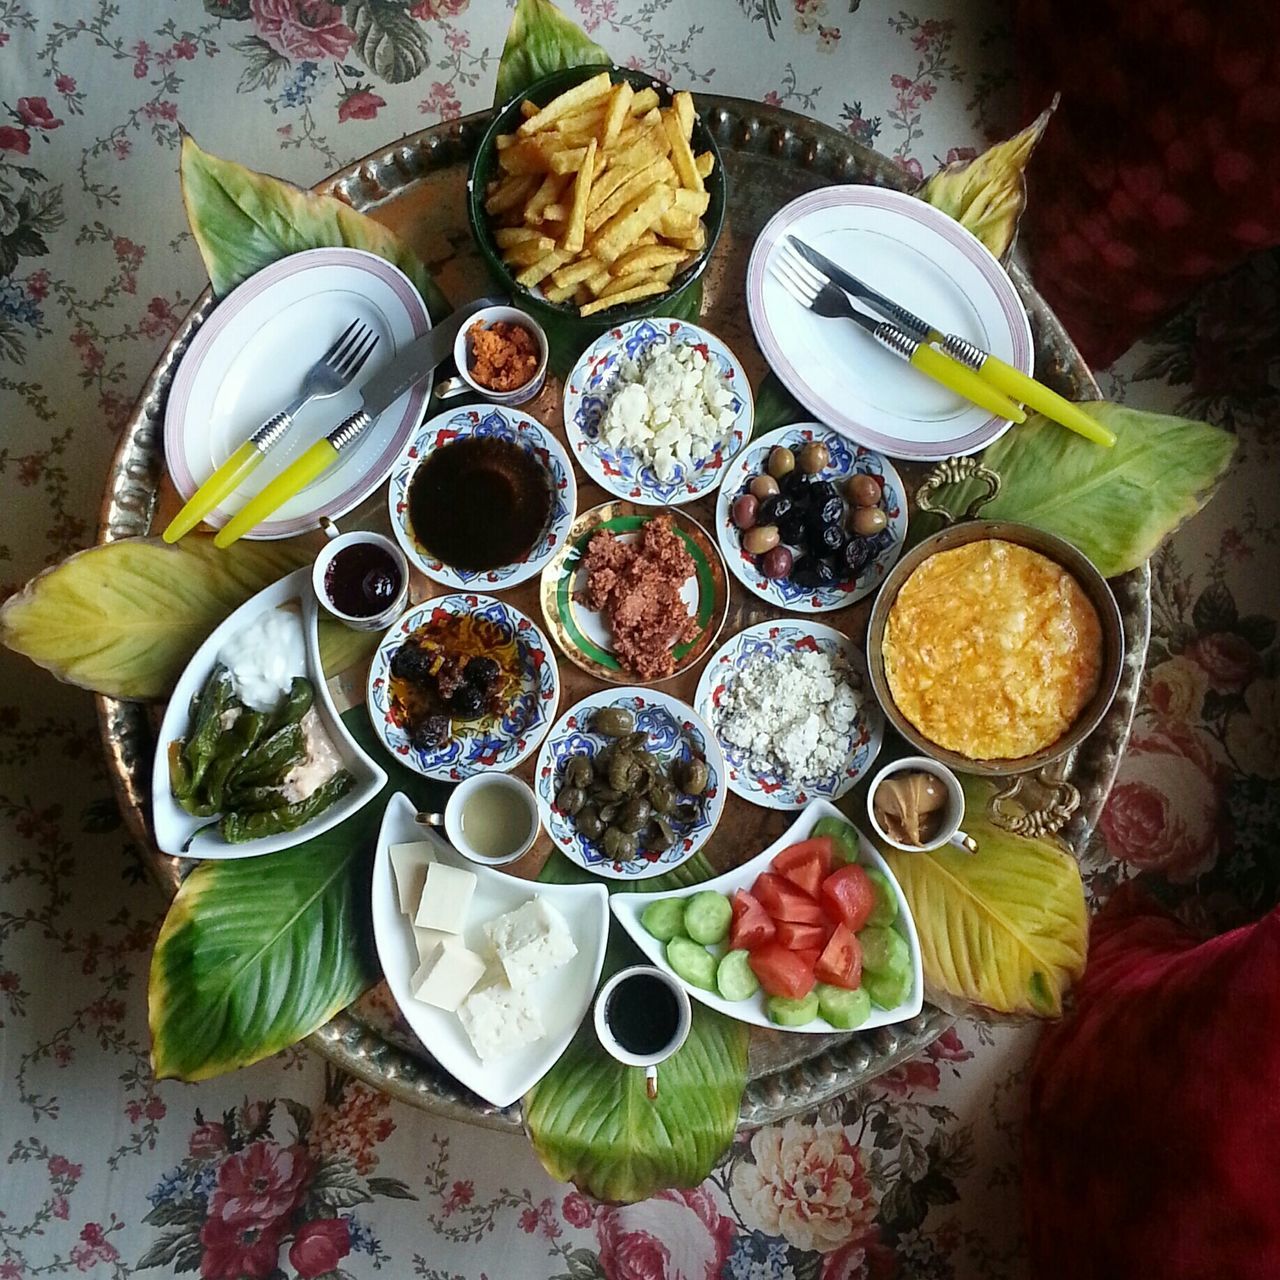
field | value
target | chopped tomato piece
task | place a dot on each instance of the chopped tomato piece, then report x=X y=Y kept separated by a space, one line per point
x=840 y=963
x=800 y=937
x=809 y=955
x=751 y=926
x=781 y=972
x=807 y=864
x=850 y=895
x=783 y=901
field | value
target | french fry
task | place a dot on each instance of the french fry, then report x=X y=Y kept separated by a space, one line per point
x=509 y=237
x=617 y=299
x=596 y=283
x=649 y=237
x=583 y=295
x=577 y=230
x=574 y=273
x=666 y=272
x=505 y=140
x=621 y=284
x=651 y=117
x=651 y=145
x=569 y=160
x=582 y=120
x=605 y=184
x=638 y=182
x=528 y=108
x=525 y=255
x=557 y=212
x=683 y=106
x=681 y=154
x=694 y=202
x=560 y=292
x=510 y=192
x=547 y=193
x=569 y=102
x=617 y=235
x=646 y=258
x=704 y=163
x=694 y=243
x=643 y=102
x=527 y=156
x=615 y=114
x=678 y=223
x=545 y=265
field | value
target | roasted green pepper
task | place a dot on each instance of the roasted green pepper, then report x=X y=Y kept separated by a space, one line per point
x=239 y=827
x=179 y=771
x=271 y=758
x=254 y=799
x=233 y=745
x=206 y=725
x=296 y=703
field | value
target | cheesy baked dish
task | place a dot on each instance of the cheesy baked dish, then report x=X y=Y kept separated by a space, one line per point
x=992 y=650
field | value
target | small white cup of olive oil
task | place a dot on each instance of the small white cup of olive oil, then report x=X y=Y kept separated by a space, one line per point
x=491 y=818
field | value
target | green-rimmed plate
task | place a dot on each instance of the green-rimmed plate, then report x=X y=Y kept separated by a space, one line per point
x=583 y=634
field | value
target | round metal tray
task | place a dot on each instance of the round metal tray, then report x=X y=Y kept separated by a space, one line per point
x=418 y=188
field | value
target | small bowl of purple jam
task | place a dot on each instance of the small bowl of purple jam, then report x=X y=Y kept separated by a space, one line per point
x=362 y=579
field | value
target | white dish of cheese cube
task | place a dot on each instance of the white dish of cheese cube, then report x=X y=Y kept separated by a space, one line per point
x=552 y=992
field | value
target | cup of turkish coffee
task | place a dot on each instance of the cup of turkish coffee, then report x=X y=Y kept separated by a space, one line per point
x=642 y=1017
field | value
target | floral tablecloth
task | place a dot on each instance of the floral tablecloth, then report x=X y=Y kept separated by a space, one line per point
x=103 y=1171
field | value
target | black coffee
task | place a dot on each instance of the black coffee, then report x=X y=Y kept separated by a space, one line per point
x=643 y=1015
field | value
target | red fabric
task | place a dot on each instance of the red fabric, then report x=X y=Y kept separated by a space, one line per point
x=1161 y=167
x=1152 y=1142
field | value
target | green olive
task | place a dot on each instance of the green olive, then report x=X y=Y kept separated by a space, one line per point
x=663 y=796
x=635 y=813
x=692 y=776
x=660 y=836
x=868 y=521
x=782 y=462
x=813 y=457
x=624 y=773
x=570 y=799
x=613 y=722
x=589 y=823
x=764 y=537
x=578 y=772
x=763 y=487
x=620 y=845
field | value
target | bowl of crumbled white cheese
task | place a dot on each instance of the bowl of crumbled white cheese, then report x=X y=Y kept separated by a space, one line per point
x=656 y=409
x=790 y=705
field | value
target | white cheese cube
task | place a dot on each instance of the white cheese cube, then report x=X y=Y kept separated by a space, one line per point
x=446 y=896
x=409 y=865
x=530 y=941
x=427 y=940
x=500 y=1020
x=446 y=976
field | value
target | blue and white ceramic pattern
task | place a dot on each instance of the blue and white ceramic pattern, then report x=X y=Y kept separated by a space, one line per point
x=675 y=732
x=770 y=787
x=591 y=386
x=502 y=424
x=847 y=459
x=470 y=750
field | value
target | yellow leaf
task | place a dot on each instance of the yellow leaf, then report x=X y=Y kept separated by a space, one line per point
x=123 y=619
x=1007 y=927
x=986 y=195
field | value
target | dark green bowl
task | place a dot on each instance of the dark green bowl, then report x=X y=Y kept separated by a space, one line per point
x=566 y=328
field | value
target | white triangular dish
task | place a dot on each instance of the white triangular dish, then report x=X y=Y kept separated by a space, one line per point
x=172 y=825
x=563 y=996
x=629 y=906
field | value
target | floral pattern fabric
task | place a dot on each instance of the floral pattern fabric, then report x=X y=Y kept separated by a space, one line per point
x=287 y=1169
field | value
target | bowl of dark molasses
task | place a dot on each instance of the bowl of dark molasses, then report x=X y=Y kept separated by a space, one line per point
x=362 y=579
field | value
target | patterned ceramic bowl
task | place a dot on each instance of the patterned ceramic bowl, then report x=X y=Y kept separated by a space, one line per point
x=471 y=749
x=592 y=384
x=759 y=781
x=847 y=459
x=502 y=424
x=675 y=732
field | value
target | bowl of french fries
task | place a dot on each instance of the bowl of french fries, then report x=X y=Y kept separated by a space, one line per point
x=597 y=196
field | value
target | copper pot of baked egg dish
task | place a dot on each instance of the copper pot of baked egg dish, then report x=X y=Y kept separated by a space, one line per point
x=993 y=646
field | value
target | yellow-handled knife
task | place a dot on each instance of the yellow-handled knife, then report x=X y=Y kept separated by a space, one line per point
x=383 y=389
x=985 y=367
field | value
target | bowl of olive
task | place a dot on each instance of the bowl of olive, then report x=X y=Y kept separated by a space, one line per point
x=810 y=521
x=630 y=783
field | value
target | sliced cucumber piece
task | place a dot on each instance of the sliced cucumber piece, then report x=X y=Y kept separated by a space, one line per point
x=888 y=988
x=734 y=979
x=792 y=1013
x=664 y=918
x=694 y=963
x=707 y=916
x=884 y=950
x=886 y=909
x=845 y=836
x=843 y=1008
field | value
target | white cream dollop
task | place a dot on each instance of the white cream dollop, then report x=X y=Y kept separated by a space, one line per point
x=264 y=656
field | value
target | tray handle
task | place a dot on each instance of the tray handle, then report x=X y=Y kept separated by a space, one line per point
x=1050 y=812
x=956 y=471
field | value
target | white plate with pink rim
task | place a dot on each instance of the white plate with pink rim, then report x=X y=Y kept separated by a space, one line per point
x=248 y=360
x=879 y=551
x=563 y=996
x=763 y=782
x=917 y=256
x=496 y=422
x=592 y=383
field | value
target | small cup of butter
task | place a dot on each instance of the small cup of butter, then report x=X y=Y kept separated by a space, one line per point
x=916 y=804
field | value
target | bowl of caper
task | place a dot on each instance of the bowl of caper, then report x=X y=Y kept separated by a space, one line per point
x=630 y=783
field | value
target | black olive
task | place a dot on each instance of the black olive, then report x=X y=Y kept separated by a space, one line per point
x=827 y=511
x=796 y=486
x=411 y=663
x=467 y=701
x=484 y=673
x=773 y=509
x=830 y=539
x=811 y=573
x=431 y=732
x=791 y=530
x=858 y=553
x=823 y=490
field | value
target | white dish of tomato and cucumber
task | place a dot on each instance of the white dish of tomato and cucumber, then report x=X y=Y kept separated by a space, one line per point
x=813 y=934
